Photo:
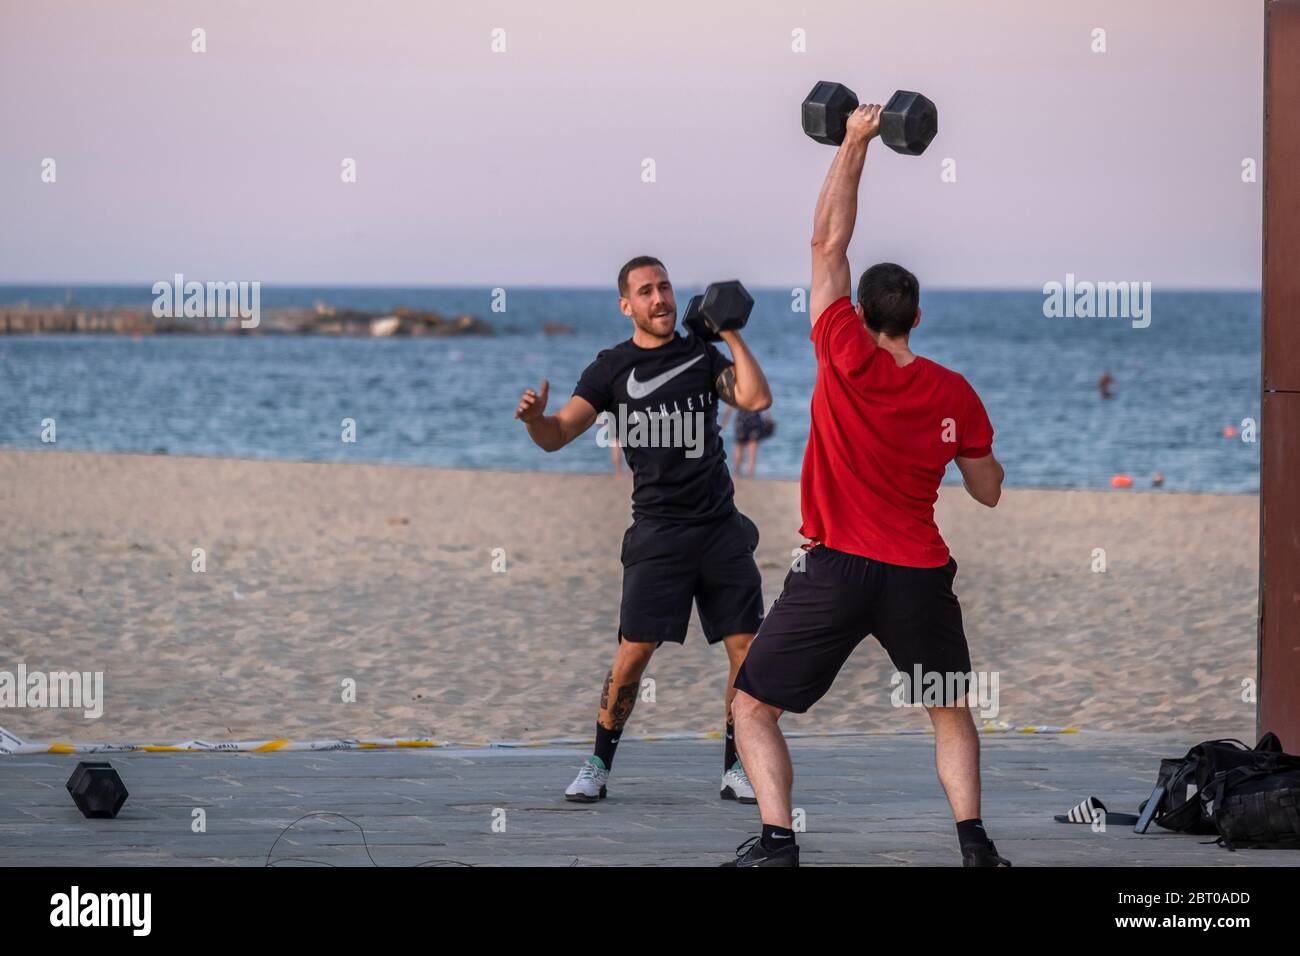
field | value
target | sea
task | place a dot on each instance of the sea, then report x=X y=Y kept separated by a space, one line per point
x=1185 y=387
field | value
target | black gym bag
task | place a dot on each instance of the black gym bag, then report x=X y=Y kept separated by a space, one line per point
x=1181 y=808
x=1258 y=805
x=1250 y=797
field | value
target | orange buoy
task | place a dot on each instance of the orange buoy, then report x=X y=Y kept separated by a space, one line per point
x=1121 y=481
x=1229 y=431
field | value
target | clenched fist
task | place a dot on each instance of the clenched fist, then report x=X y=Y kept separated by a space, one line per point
x=864 y=122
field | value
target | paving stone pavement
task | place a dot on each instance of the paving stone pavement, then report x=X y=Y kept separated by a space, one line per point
x=869 y=800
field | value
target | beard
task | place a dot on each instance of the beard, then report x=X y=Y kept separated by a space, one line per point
x=661 y=324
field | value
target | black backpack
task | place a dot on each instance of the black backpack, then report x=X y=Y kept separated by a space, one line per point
x=1183 y=806
x=1257 y=805
x=1250 y=797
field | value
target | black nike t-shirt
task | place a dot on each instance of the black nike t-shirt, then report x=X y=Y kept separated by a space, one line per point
x=662 y=408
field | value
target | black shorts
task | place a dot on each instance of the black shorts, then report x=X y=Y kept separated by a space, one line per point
x=666 y=565
x=826 y=609
x=751 y=427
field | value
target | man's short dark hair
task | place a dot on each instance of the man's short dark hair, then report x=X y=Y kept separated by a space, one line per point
x=889 y=294
x=638 y=263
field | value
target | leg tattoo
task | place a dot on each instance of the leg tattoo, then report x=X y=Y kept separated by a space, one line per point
x=622 y=709
x=604 y=692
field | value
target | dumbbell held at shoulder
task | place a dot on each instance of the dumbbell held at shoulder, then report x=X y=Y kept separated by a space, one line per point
x=722 y=307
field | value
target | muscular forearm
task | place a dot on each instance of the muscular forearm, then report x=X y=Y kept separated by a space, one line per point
x=986 y=488
x=837 y=206
x=751 y=389
x=547 y=433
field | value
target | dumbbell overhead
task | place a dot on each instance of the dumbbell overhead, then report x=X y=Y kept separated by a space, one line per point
x=723 y=306
x=907 y=123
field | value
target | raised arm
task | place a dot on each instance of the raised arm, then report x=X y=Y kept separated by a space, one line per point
x=837 y=211
x=743 y=384
x=553 y=432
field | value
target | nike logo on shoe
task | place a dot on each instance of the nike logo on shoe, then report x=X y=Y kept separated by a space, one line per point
x=639 y=390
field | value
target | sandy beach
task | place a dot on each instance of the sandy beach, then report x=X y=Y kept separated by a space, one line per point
x=391 y=576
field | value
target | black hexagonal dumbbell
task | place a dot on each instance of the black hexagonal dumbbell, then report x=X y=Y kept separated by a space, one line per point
x=723 y=306
x=907 y=123
x=96 y=789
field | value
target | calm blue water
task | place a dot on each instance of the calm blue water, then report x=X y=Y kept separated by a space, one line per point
x=449 y=402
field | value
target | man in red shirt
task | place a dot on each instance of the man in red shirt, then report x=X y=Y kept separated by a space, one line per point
x=885 y=425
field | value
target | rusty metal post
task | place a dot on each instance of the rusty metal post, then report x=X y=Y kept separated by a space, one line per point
x=1278 y=709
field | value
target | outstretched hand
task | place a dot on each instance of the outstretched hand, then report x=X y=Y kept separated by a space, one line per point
x=533 y=406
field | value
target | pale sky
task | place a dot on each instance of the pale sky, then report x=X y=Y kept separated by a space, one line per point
x=525 y=167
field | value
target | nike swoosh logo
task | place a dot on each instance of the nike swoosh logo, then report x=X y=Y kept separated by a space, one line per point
x=637 y=389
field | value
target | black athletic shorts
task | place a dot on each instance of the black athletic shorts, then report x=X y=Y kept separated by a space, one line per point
x=750 y=426
x=826 y=609
x=666 y=565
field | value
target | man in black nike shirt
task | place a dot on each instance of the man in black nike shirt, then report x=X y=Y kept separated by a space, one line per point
x=687 y=541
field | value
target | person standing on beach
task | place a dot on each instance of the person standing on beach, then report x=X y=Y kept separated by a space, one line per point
x=751 y=428
x=687 y=542
x=885 y=424
x=615 y=451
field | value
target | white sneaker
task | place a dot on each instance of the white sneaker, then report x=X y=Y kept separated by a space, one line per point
x=589 y=785
x=736 y=786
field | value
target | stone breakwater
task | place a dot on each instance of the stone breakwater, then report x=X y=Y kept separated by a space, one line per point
x=27 y=320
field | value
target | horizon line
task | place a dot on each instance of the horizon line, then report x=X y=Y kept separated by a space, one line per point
x=587 y=288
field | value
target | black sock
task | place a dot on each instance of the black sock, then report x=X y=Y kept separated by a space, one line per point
x=774 y=838
x=729 y=750
x=971 y=832
x=606 y=744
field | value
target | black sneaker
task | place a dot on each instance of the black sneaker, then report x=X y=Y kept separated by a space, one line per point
x=753 y=853
x=973 y=854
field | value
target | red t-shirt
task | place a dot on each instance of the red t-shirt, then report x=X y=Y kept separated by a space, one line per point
x=881 y=437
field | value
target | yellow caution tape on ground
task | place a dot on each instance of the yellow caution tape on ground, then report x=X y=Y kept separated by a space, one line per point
x=9 y=744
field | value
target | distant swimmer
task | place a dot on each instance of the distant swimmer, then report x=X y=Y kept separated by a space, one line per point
x=1104 y=383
